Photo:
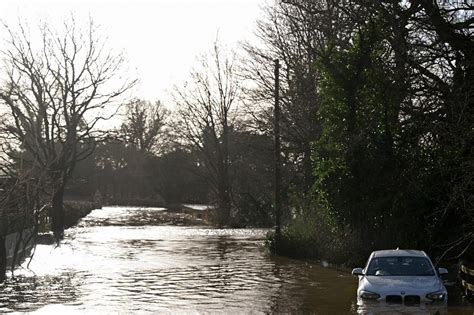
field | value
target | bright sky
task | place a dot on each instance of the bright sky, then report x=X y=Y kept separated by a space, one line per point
x=160 y=38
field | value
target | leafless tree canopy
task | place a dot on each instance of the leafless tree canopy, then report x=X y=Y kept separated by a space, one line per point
x=207 y=111
x=59 y=85
x=144 y=125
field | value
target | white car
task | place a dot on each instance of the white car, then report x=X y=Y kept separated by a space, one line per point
x=401 y=277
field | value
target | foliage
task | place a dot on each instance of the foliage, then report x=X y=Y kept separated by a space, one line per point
x=251 y=174
x=314 y=234
x=395 y=118
x=124 y=176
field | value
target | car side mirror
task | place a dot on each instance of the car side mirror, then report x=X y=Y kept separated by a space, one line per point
x=442 y=271
x=357 y=272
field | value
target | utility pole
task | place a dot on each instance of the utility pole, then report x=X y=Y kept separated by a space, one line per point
x=277 y=153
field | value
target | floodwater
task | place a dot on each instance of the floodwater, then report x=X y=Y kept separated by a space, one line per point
x=115 y=262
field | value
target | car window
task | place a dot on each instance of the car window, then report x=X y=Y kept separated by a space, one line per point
x=400 y=266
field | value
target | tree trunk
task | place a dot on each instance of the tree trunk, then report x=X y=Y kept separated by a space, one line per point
x=277 y=152
x=3 y=259
x=224 y=202
x=57 y=212
x=308 y=168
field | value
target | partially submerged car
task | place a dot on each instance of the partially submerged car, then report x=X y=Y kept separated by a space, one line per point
x=401 y=277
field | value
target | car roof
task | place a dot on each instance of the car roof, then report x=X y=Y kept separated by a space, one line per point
x=399 y=253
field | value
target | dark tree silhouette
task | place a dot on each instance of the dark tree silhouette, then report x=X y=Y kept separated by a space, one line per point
x=207 y=111
x=56 y=92
x=144 y=125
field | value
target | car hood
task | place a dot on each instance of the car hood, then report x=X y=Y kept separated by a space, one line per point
x=389 y=283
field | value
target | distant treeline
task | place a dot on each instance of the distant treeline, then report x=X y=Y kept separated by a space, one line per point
x=118 y=173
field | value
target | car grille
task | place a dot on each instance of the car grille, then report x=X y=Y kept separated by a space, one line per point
x=393 y=299
x=398 y=299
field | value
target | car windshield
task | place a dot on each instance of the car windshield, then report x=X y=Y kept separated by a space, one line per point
x=400 y=266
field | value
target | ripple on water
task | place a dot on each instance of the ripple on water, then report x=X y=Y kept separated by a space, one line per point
x=31 y=292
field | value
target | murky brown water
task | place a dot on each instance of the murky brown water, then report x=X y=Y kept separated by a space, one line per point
x=113 y=262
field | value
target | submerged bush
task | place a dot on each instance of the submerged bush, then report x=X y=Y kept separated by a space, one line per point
x=313 y=234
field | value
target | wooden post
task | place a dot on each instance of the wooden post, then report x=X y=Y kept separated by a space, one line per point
x=3 y=259
x=277 y=153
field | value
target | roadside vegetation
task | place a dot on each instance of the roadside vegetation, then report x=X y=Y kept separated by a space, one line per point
x=390 y=87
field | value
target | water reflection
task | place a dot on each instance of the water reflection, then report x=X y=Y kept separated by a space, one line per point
x=119 y=260
x=386 y=308
x=30 y=293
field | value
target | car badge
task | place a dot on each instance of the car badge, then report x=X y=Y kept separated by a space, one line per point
x=402 y=293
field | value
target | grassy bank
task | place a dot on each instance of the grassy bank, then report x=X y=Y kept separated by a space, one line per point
x=74 y=210
x=136 y=202
x=314 y=238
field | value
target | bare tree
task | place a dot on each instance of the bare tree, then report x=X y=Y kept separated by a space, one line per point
x=296 y=38
x=206 y=114
x=144 y=125
x=58 y=87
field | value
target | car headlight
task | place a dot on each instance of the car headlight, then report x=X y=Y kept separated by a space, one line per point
x=436 y=296
x=367 y=295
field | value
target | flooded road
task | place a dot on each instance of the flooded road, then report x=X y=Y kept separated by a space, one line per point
x=114 y=262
